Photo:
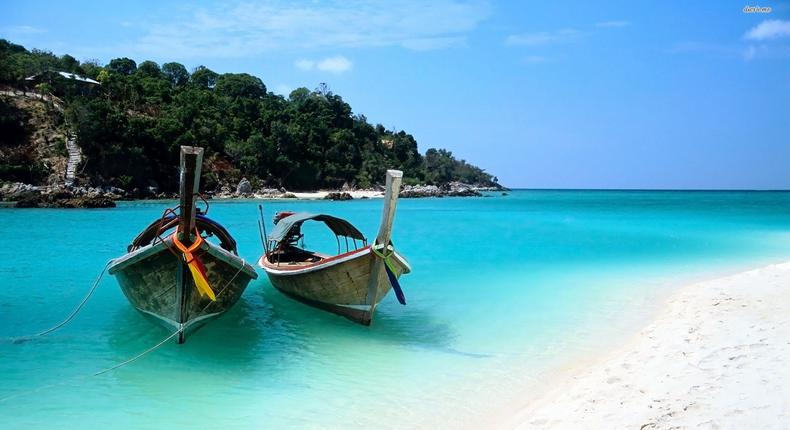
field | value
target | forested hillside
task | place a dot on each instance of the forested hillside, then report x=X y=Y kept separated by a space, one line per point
x=130 y=126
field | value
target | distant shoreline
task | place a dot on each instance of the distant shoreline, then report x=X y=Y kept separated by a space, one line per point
x=20 y=195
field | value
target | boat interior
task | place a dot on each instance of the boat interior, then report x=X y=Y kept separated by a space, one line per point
x=293 y=256
x=168 y=223
x=283 y=244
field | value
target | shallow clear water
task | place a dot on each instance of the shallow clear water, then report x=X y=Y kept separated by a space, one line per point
x=504 y=289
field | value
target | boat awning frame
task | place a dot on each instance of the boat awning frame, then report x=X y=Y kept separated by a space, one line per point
x=339 y=226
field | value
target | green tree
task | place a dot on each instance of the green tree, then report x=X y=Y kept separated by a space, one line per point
x=123 y=66
x=149 y=69
x=240 y=85
x=176 y=74
x=203 y=77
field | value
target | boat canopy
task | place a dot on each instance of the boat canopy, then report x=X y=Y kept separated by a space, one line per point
x=339 y=226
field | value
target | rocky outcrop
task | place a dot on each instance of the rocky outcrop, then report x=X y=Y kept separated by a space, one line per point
x=452 y=189
x=338 y=196
x=269 y=193
x=67 y=201
x=244 y=188
x=41 y=149
x=459 y=189
x=85 y=202
x=15 y=191
x=58 y=196
x=413 y=191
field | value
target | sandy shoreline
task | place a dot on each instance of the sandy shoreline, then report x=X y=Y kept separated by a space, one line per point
x=716 y=356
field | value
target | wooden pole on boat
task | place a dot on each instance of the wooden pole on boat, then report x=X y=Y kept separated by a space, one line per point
x=191 y=161
x=394 y=178
x=190 y=166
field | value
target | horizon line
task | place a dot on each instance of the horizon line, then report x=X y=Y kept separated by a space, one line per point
x=656 y=189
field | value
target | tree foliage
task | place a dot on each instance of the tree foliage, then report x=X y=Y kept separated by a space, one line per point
x=130 y=128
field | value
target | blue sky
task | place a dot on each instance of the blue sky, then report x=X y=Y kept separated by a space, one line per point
x=564 y=94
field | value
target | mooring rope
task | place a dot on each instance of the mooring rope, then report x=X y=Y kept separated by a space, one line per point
x=80 y=305
x=127 y=361
x=74 y=311
x=151 y=349
x=172 y=335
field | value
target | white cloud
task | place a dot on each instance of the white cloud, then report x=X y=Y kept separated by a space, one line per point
x=337 y=64
x=304 y=64
x=243 y=29
x=607 y=24
x=544 y=37
x=769 y=29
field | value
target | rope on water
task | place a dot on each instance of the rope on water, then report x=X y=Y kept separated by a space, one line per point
x=80 y=305
x=84 y=376
x=74 y=312
x=125 y=362
x=151 y=349
x=174 y=334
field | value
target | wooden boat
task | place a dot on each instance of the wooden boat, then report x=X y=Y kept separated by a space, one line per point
x=181 y=279
x=350 y=284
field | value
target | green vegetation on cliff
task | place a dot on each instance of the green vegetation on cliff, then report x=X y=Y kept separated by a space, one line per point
x=130 y=126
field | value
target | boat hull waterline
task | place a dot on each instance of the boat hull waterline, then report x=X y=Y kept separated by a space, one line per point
x=338 y=284
x=153 y=280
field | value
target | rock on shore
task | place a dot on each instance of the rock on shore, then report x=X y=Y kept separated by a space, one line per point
x=244 y=187
x=452 y=189
x=338 y=196
x=30 y=196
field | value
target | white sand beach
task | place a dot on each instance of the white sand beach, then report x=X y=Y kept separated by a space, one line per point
x=716 y=357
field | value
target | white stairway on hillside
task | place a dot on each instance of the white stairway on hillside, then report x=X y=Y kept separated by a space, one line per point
x=75 y=158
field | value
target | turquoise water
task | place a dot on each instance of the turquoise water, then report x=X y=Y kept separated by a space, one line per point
x=504 y=289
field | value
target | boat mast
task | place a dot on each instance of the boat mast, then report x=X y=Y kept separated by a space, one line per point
x=394 y=178
x=191 y=162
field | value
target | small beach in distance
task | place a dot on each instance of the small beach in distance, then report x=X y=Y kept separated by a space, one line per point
x=563 y=278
